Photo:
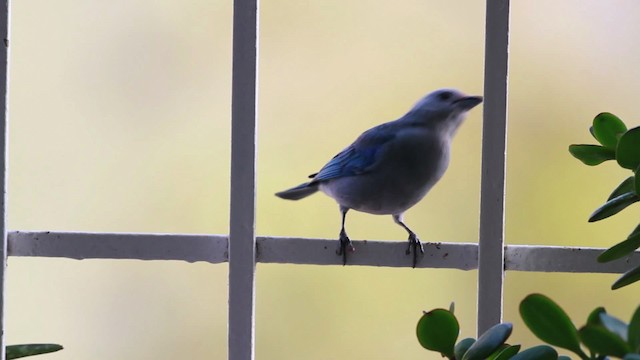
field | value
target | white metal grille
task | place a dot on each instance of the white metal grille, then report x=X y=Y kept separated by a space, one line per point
x=242 y=249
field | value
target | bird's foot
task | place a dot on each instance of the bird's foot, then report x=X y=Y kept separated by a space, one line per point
x=414 y=246
x=345 y=245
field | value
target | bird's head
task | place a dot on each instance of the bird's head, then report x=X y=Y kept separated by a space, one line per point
x=443 y=109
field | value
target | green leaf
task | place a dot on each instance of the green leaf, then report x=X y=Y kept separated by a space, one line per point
x=592 y=132
x=592 y=154
x=633 y=334
x=550 y=323
x=594 y=316
x=462 y=346
x=627 y=278
x=628 y=185
x=497 y=352
x=540 y=352
x=621 y=249
x=607 y=129
x=602 y=341
x=636 y=183
x=18 y=351
x=489 y=342
x=614 y=325
x=438 y=330
x=614 y=206
x=628 y=150
x=507 y=353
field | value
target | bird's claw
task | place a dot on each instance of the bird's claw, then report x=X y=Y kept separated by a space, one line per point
x=414 y=246
x=345 y=245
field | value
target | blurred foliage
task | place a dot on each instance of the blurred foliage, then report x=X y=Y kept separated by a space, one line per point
x=23 y=350
x=616 y=143
x=602 y=336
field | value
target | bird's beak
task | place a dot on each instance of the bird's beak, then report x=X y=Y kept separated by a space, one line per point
x=468 y=102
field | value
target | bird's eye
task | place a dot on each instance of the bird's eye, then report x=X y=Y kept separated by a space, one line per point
x=444 y=96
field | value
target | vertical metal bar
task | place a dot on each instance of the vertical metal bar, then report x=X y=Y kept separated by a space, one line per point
x=242 y=242
x=494 y=130
x=4 y=142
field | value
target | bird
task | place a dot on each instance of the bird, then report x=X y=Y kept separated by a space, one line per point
x=391 y=167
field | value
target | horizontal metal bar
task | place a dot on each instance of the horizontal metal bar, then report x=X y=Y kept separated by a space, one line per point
x=77 y=245
x=564 y=259
x=280 y=250
x=463 y=256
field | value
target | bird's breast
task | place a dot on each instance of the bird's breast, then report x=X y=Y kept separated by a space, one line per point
x=416 y=158
x=403 y=174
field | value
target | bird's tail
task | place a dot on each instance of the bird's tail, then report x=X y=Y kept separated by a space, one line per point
x=299 y=192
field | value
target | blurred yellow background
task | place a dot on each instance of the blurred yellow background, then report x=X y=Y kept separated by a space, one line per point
x=120 y=114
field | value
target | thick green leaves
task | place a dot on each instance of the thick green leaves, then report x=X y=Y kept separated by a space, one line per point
x=438 y=330
x=497 y=352
x=594 y=316
x=607 y=129
x=628 y=185
x=623 y=145
x=489 y=342
x=18 y=351
x=592 y=154
x=602 y=341
x=507 y=353
x=634 y=331
x=600 y=318
x=462 y=346
x=614 y=325
x=621 y=249
x=540 y=352
x=627 y=278
x=550 y=323
x=614 y=206
x=628 y=150
x=635 y=231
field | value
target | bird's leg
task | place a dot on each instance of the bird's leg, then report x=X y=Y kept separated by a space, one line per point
x=345 y=242
x=414 y=242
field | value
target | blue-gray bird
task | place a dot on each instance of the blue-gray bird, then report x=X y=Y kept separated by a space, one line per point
x=391 y=167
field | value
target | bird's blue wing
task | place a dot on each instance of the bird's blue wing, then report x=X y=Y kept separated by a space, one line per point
x=358 y=157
